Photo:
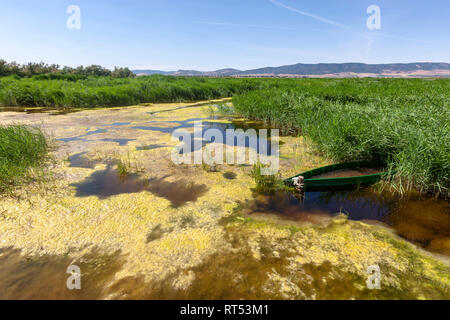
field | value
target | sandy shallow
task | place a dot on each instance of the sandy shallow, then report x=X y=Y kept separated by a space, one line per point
x=184 y=235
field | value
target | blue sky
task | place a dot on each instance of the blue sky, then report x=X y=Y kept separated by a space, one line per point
x=210 y=34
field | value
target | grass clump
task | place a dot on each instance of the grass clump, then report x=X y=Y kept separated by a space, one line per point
x=123 y=169
x=267 y=184
x=22 y=148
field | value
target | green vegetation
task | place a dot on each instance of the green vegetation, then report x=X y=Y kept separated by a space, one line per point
x=267 y=184
x=55 y=72
x=70 y=91
x=21 y=149
x=122 y=169
x=401 y=124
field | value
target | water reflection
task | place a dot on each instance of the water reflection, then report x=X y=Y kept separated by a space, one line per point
x=121 y=142
x=79 y=160
x=418 y=218
x=45 y=277
x=107 y=183
x=214 y=123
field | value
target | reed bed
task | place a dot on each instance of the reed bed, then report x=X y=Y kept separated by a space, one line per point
x=402 y=124
x=87 y=92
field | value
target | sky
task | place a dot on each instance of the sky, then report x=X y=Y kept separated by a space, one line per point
x=210 y=34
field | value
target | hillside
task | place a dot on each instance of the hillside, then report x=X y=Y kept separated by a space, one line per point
x=420 y=69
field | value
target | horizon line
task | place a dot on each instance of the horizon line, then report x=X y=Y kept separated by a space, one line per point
x=150 y=68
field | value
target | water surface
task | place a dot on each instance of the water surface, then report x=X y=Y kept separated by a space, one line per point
x=418 y=218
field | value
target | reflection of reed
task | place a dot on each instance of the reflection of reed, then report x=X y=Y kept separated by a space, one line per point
x=358 y=204
x=423 y=220
x=364 y=204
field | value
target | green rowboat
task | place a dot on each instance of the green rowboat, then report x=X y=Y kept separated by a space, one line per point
x=315 y=184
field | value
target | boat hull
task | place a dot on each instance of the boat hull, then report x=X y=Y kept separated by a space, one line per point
x=321 y=184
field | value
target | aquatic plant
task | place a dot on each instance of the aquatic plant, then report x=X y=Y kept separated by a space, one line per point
x=122 y=168
x=267 y=183
x=21 y=148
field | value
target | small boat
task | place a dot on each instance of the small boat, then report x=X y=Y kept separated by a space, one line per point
x=350 y=175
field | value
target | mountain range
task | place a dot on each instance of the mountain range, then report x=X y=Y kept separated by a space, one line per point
x=419 y=69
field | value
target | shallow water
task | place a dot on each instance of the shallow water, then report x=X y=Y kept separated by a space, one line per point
x=89 y=133
x=108 y=182
x=420 y=219
x=79 y=160
x=121 y=142
x=45 y=277
x=400 y=213
x=208 y=123
x=229 y=175
x=119 y=124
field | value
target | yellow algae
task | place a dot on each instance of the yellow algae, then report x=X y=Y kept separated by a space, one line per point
x=219 y=121
x=339 y=247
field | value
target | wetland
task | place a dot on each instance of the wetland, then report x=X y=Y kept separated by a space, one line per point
x=139 y=226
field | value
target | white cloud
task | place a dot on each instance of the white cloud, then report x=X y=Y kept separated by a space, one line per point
x=307 y=14
x=243 y=25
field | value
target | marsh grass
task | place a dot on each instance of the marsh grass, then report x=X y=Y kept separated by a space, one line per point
x=128 y=165
x=23 y=151
x=267 y=184
x=123 y=169
x=403 y=125
x=95 y=91
x=225 y=109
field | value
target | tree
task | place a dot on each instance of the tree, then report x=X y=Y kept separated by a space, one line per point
x=41 y=68
x=122 y=73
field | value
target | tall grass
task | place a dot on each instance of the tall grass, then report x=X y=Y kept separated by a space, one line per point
x=401 y=124
x=21 y=149
x=84 y=92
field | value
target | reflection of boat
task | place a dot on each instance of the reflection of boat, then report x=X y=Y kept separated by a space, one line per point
x=348 y=175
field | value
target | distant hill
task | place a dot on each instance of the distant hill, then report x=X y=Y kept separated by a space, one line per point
x=217 y=73
x=419 y=69
x=150 y=72
x=224 y=72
